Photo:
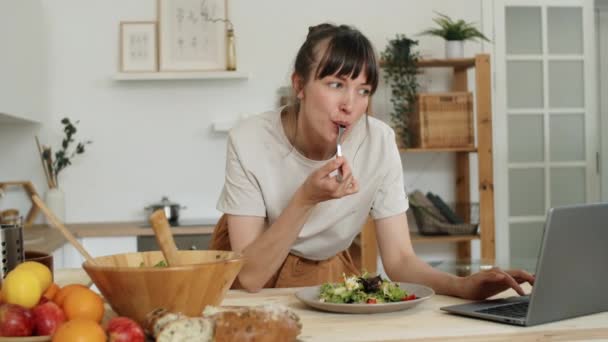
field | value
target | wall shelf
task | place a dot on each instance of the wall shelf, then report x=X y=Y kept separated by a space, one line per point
x=417 y=238
x=15 y=119
x=456 y=63
x=165 y=75
x=439 y=149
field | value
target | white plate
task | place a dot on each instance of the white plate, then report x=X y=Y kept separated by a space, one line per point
x=310 y=296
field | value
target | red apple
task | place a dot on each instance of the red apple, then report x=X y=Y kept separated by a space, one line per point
x=123 y=329
x=48 y=317
x=15 y=320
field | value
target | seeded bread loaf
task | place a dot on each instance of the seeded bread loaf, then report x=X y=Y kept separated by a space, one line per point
x=219 y=324
x=260 y=324
x=189 y=329
x=158 y=318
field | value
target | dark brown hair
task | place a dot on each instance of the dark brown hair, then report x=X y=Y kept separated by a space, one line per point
x=347 y=53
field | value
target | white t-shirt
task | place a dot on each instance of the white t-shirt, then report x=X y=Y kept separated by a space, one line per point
x=263 y=171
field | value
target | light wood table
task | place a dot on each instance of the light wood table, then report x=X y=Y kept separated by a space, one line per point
x=425 y=322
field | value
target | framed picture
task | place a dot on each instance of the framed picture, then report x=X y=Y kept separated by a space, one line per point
x=138 y=52
x=192 y=35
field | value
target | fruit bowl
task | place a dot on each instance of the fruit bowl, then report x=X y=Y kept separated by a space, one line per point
x=134 y=284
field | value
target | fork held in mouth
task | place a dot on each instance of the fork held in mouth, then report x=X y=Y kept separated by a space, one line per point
x=339 y=150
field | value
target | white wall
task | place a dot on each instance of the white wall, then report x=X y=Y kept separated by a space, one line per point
x=155 y=138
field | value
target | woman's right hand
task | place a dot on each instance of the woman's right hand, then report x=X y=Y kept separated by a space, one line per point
x=321 y=185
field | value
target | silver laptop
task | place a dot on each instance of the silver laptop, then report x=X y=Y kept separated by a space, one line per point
x=571 y=272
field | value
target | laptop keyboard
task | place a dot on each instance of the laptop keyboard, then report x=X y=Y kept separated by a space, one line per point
x=515 y=310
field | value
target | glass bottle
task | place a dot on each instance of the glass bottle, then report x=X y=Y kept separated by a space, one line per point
x=230 y=50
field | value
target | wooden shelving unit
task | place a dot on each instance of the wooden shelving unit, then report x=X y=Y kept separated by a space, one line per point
x=368 y=249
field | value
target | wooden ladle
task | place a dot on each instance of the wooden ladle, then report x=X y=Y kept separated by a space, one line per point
x=59 y=225
x=164 y=237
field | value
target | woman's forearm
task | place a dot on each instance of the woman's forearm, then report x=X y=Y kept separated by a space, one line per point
x=267 y=253
x=414 y=270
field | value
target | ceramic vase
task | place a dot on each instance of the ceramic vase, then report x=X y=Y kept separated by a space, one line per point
x=454 y=49
x=55 y=201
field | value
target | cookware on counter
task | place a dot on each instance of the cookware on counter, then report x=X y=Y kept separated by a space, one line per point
x=171 y=209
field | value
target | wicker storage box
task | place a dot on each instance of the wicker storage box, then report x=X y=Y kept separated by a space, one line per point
x=442 y=120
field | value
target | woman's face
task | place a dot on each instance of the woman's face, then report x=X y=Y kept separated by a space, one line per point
x=331 y=101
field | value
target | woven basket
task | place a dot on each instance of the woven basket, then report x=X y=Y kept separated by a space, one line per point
x=442 y=120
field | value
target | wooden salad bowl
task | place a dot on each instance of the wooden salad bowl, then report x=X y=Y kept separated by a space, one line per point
x=134 y=284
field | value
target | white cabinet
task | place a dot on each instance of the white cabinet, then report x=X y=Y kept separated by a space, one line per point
x=97 y=246
x=22 y=59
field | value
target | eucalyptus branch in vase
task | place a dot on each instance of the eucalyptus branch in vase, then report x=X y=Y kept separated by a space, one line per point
x=230 y=38
x=62 y=158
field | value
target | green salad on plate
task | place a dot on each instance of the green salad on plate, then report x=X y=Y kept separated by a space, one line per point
x=364 y=289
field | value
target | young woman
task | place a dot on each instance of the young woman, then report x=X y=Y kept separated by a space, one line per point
x=285 y=208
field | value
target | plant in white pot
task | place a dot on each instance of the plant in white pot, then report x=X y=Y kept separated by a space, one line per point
x=53 y=165
x=455 y=33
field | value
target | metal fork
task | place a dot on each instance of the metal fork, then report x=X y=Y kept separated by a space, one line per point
x=339 y=149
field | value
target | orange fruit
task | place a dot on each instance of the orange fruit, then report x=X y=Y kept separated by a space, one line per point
x=80 y=330
x=83 y=303
x=64 y=291
x=51 y=291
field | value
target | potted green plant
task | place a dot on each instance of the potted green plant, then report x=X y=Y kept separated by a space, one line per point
x=455 y=33
x=399 y=62
x=53 y=165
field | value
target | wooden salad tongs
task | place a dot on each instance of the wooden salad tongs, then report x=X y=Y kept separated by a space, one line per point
x=164 y=237
x=54 y=221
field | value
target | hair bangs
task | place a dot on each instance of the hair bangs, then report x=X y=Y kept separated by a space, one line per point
x=347 y=55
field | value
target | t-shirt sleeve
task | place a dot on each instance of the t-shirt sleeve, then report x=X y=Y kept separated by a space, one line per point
x=241 y=194
x=390 y=198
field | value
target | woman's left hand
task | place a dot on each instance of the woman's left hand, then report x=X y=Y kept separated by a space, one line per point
x=487 y=283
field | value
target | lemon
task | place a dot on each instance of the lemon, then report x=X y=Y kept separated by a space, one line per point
x=21 y=287
x=41 y=271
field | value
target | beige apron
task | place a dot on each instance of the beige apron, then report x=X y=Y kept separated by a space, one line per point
x=295 y=271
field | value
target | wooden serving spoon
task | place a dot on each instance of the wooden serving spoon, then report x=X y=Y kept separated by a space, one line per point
x=66 y=233
x=164 y=237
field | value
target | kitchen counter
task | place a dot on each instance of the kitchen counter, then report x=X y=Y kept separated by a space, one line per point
x=47 y=239
x=424 y=322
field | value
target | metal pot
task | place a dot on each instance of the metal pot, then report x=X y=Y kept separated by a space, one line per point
x=171 y=209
